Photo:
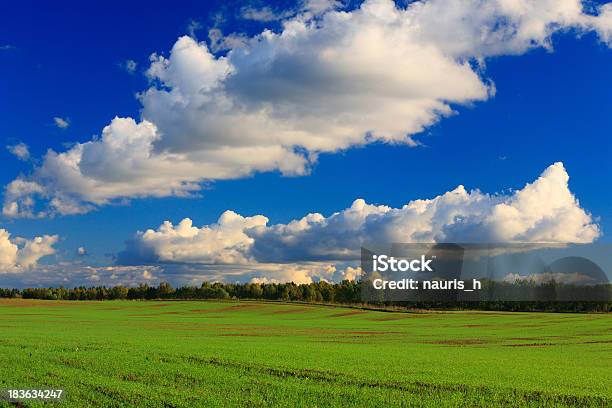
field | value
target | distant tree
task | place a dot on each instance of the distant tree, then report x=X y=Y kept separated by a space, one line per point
x=165 y=290
x=347 y=292
x=118 y=292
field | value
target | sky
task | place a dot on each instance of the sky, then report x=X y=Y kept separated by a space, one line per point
x=267 y=141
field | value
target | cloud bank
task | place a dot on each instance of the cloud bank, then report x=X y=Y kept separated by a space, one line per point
x=328 y=80
x=309 y=248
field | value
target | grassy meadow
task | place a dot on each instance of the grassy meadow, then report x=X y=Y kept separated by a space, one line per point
x=182 y=353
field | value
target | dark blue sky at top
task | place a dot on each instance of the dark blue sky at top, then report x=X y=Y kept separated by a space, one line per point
x=65 y=62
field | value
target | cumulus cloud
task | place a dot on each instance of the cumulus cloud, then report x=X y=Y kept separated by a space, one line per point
x=20 y=150
x=296 y=273
x=308 y=248
x=18 y=254
x=327 y=80
x=224 y=242
x=18 y=198
x=543 y=211
x=351 y=274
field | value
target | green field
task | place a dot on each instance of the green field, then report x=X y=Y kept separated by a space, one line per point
x=181 y=353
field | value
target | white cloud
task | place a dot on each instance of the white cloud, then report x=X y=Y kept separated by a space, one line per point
x=18 y=198
x=81 y=251
x=20 y=150
x=61 y=123
x=296 y=273
x=603 y=23
x=8 y=250
x=309 y=248
x=352 y=274
x=18 y=254
x=224 y=242
x=543 y=211
x=328 y=80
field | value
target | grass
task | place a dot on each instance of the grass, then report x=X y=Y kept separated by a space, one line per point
x=154 y=354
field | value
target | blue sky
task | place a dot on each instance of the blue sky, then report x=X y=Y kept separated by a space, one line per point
x=69 y=61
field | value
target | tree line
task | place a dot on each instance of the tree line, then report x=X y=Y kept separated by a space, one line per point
x=345 y=292
x=324 y=292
